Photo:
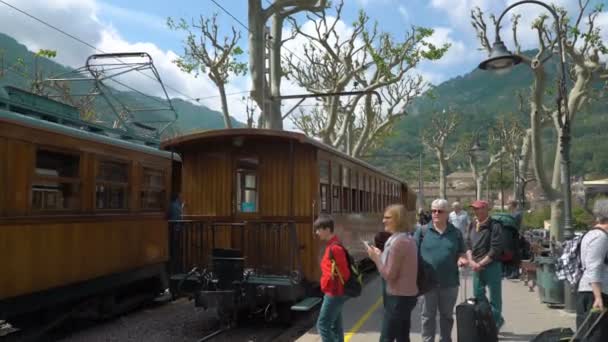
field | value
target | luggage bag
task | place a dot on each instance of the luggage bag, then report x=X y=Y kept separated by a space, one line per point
x=474 y=320
x=567 y=335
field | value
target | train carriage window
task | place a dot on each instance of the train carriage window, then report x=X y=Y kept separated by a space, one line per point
x=346 y=189
x=56 y=182
x=335 y=186
x=354 y=200
x=112 y=185
x=324 y=185
x=153 y=192
x=362 y=180
x=247 y=185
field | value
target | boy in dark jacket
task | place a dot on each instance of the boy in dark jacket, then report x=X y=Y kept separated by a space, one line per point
x=334 y=273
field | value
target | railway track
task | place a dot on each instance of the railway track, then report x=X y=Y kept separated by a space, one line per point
x=178 y=320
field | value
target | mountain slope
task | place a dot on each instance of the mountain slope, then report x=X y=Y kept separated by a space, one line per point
x=18 y=64
x=480 y=97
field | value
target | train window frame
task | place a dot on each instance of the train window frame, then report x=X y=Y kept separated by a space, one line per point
x=324 y=186
x=336 y=188
x=354 y=189
x=162 y=189
x=346 y=180
x=125 y=184
x=75 y=181
x=240 y=177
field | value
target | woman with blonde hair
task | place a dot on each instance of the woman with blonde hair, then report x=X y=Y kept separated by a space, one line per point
x=398 y=266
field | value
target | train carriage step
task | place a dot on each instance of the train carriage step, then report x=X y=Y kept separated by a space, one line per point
x=306 y=304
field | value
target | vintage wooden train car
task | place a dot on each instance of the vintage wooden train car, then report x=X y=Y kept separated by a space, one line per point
x=82 y=211
x=251 y=196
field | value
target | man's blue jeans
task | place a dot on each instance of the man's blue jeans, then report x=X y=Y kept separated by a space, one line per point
x=329 y=323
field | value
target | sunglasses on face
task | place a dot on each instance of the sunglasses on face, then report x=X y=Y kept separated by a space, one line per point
x=437 y=211
x=388 y=217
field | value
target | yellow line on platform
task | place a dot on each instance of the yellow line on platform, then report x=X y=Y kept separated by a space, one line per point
x=362 y=320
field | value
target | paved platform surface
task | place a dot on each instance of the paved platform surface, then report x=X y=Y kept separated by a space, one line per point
x=525 y=315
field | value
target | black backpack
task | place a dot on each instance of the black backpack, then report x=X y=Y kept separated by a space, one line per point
x=354 y=284
x=426 y=279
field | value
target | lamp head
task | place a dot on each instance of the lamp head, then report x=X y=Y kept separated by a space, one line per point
x=500 y=58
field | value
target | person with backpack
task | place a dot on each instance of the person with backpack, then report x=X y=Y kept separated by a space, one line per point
x=334 y=273
x=441 y=245
x=484 y=248
x=398 y=266
x=593 y=283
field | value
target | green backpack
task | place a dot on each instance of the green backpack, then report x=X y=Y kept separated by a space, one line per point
x=510 y=235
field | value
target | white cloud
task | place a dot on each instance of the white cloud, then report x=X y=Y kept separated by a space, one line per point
x=364 y=3
x=457 y=10
x=80 y=18
x=458 y=51
x=404 y=13
x=137 y=17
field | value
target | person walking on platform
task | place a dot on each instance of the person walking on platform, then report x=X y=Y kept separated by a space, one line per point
x=398 y=266
x=484 y=247
x=442 y=246
x=329 y=323
x=593 y=285
x=459 y=218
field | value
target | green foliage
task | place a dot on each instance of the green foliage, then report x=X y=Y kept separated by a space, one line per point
x=46 y=53
x=581 y=218
x=536 y=218
x=206 y=52
x=482 y=97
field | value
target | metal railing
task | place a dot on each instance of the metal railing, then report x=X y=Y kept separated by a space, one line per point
x=269 y=248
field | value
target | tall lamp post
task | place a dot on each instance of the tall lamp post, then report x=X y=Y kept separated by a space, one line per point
x=501 y=58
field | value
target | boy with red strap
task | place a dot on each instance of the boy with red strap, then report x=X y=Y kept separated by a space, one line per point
x=334 y=273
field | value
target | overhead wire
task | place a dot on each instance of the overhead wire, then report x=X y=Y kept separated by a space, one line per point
x=97 y=49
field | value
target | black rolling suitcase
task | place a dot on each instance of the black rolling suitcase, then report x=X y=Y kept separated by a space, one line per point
x=567 y=335
x=474 y=320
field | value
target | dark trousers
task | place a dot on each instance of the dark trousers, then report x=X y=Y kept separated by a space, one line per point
x=397 y=315
x=584 y=303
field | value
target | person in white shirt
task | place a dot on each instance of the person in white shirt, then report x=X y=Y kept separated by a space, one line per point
x=593 y=286
x=459 y=218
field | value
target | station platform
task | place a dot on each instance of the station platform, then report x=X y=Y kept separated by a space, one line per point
x=525 y=315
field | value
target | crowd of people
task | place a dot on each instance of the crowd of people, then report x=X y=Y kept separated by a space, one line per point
x=448 y=241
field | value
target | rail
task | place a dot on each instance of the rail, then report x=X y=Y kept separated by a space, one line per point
x=269 y=248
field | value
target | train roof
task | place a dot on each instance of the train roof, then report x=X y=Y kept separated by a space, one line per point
x=226 y=134
x=80 y=132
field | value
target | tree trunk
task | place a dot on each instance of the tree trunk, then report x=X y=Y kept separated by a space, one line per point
x=442 y=178
x=557 y=219
x=273 y=117
x=259 y=85
x=478 y=187
x=222 y=89
x=522 y=169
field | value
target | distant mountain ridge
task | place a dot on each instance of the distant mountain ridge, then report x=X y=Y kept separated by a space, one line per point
x=480 y=97
x=16 y=56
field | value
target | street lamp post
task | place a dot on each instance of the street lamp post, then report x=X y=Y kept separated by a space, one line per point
x=501 y=58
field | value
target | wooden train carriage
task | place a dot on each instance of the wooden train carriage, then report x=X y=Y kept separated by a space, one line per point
x=238 y=180
x=80 y=213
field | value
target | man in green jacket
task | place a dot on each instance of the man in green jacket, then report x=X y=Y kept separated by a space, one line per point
x=484 y=247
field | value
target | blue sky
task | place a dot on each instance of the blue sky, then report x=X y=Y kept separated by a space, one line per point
x=138 y=25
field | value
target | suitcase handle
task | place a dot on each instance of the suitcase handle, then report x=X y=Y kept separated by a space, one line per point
x=586 y=321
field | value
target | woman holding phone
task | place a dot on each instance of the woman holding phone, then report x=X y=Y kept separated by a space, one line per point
x=398 y=266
